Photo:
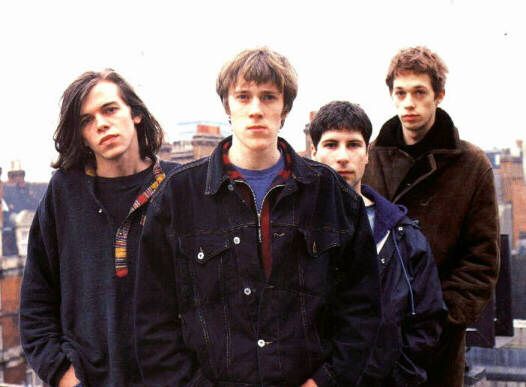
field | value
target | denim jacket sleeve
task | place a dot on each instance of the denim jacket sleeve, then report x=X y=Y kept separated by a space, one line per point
x=356 y=309
x=163 y=358
x=40 y=327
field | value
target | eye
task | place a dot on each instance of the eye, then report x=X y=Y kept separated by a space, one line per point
x=84 y=121
x=242 y=97
x=399 y=93
x=330 y=145
x=110 y=109
x=269 y=97
x=421 y=92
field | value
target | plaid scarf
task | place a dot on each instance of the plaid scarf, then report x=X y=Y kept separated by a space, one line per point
x=120 y=243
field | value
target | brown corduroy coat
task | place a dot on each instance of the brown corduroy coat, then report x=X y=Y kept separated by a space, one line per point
x=453 y=198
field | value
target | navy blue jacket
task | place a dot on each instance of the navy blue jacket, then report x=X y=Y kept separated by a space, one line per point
x=412 y=303
x=74 y=309
x=207 y=315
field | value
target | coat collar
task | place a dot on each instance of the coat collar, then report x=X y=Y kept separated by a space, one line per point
x=386 y=214
x=218 y=173
x=448 y=138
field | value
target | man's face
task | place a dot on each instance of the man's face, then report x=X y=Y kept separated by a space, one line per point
x=107 y=125
x=344 y=151
x=416 y=104
x=256 y=112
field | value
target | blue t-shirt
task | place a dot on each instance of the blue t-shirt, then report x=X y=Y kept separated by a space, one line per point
x=260 y=181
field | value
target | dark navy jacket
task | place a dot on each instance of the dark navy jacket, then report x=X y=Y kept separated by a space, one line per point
x=74 y=309
x=412 y=302
x=207 y=315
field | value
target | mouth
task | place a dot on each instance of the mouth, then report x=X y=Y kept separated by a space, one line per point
x=257 y=127
x=107 y=138
x=410 y=117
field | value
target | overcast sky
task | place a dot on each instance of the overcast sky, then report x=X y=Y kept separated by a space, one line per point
x=172 y=53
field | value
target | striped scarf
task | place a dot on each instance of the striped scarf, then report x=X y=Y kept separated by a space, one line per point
x=120 y=244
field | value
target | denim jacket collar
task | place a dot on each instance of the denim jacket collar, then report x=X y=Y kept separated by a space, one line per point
x=217 y=175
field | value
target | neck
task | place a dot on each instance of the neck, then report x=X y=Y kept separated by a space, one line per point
x=122 y=167
x=411 y=137
x=253 y=159
x=366 y=200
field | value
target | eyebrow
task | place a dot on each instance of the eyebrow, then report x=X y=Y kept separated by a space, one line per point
x=100 y=107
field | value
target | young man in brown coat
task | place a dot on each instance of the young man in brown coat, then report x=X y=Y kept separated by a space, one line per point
x=447 y=185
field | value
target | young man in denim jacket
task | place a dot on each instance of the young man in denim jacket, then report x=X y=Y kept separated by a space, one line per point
x=77 y=291
x=412 y=303
x=257 y=267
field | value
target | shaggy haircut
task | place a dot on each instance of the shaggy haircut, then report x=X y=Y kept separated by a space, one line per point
x=340 y=115
x=260 y=65
x=73 y=153
x=419 y=60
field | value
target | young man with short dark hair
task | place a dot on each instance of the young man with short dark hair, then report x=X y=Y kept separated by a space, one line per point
x=257 y=266
x=76 y=319
x=412 y=301
x=419 y=161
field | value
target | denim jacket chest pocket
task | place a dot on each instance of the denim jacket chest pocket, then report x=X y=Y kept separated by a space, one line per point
x=319 y=264
x=209 y=267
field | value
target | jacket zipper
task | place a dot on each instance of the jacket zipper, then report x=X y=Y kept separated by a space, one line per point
x=258 y=213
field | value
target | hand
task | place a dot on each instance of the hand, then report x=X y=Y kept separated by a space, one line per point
x=69 y=379
x=309 y=383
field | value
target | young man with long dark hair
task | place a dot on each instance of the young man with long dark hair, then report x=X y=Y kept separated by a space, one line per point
x=77 y=292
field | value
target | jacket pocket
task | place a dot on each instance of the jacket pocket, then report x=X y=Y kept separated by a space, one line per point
x=316 y=260
x=320 y=242
x=210 y=267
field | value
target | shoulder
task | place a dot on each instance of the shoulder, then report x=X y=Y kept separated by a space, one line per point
x=67 y=181
x=182 y=171
x=474 y=153
x=168 y=166
x=328 y=176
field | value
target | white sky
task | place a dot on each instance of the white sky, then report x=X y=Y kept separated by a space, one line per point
x=172 y=51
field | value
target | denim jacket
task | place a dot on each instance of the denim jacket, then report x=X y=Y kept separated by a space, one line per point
x=206 y=313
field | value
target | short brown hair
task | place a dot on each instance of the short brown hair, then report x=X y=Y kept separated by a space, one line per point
x=72 y=153
x=260 y=65
x=419 y=60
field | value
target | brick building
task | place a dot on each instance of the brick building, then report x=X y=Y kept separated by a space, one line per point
x=201 y=144
x=509 y=166
x=19 y=202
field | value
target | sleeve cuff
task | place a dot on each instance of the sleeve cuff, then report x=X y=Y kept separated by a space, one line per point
x=324 y=377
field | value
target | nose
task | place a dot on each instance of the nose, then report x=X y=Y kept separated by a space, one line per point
x=342 y=157
x=102 y=122
x=408 y=102
x=255 y=107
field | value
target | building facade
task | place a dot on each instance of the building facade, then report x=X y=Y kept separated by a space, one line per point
x=19 y=201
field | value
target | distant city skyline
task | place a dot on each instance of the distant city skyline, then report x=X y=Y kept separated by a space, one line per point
x=172 y=54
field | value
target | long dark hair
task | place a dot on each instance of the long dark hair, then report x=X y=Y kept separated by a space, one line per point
x=68 y=137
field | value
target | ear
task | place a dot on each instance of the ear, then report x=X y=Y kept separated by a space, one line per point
x=440 y=96
x=312 y=150
x=137 y=119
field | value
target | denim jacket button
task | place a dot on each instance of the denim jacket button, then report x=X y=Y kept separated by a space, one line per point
x=200 y=255
x=230 y=187
x=237 y=240
x=100 y=211
x=261 y=343
x=247 y=291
